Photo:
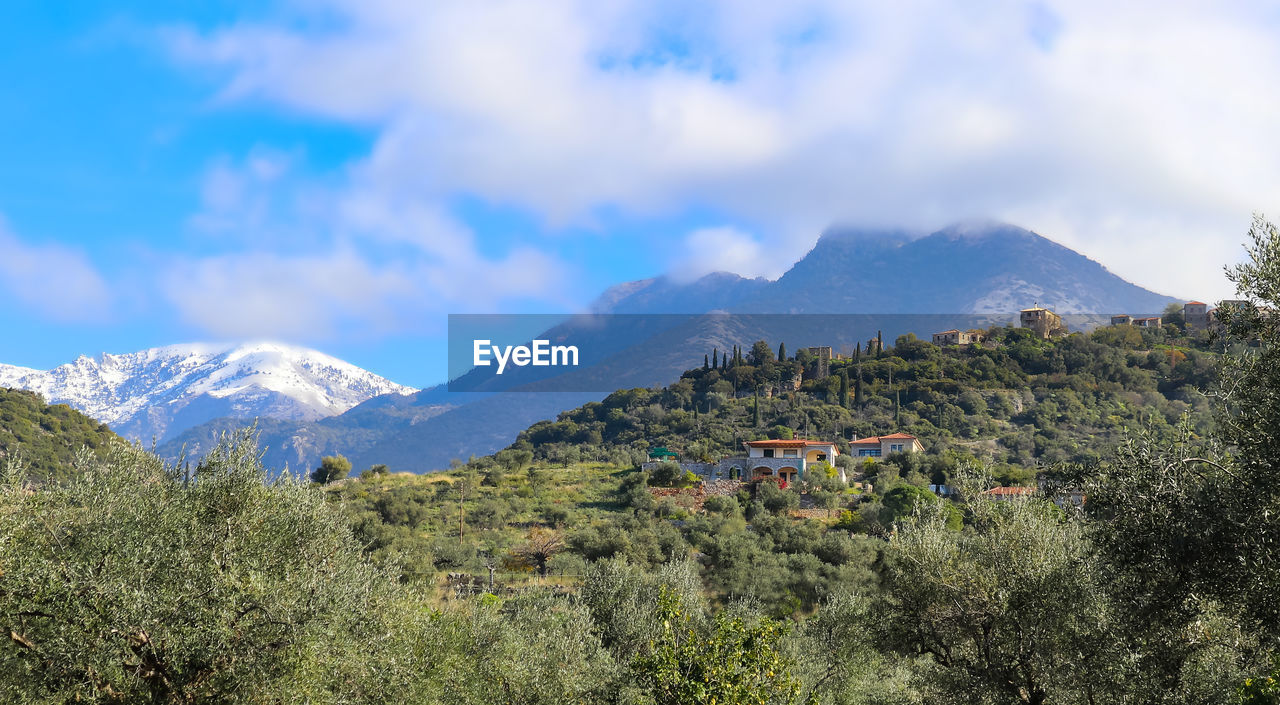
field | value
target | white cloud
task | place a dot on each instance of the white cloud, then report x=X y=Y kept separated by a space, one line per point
x=52 y=280
x=1122 y=130
x=305 y=258
x=722 y=249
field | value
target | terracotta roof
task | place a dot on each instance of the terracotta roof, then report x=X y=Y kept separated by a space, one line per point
x=781 y=443
x=899 y=435
x=1196 y=303
x=1010 y=491
x=953 y=330
x=875 y=440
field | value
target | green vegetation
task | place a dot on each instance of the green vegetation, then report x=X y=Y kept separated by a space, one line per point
x=47 y=437
x=1018 y=402
x=541 y=576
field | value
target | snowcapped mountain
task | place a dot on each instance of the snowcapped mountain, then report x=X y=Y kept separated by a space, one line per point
x=160 y=392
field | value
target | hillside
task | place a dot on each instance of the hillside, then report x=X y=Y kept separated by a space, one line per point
x=1016 y=401
x=46 y=436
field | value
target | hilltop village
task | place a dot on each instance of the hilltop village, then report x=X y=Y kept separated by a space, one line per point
x=788 y=459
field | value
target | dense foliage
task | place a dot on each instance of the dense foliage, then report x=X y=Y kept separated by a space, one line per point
x=46 y=437
x=1017 y=400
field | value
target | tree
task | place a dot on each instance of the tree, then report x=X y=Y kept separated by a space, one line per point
x=1172 y=316
x=378 y=470
x=782 y=352
x=1010 y=612
x=140 y=582
x=332 y=468
x=539 y=547
x=760 y=354
x=1186 y=527
x=732 y=662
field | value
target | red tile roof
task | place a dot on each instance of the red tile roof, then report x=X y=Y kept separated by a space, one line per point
x=780 y=443
x=896 y=436
x=1009 y=491
x=1196 y=303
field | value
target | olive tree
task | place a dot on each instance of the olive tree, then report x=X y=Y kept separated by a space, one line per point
x=1007 y=612
x=136 y=581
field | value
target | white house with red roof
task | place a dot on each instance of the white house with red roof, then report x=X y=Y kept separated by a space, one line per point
x=879 y=446
x=786 y=458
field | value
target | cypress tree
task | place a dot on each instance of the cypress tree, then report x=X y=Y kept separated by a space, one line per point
x=715 y=358
x=756 y=414
x=706 y=363
x=782 y=352
x=857 y=385
x=844 y=388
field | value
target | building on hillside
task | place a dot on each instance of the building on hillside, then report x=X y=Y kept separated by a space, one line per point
x=1148 y=322
x=1195 y=314
x=957 y=337
x=1008 y=494
x=823 y=355
x=1044 y=322
x=786 y=460
x=1072 y=497
x=879 y=446
x=1121 y=319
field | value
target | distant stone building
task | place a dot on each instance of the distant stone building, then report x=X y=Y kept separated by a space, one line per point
x=823 y=356
x=957 y=337
x=1196 y=315
x=1148 y=322
x=1044 y=322
x=1122 y=319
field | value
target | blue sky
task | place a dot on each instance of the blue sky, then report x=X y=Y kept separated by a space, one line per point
x=344 y=174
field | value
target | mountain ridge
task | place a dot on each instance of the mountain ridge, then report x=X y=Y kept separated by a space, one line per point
x=158 y=392
x=853 y=270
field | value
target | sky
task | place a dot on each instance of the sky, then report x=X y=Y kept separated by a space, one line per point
x=343 y=174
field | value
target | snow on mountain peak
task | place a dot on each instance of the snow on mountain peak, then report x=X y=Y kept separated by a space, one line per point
x=160 y=391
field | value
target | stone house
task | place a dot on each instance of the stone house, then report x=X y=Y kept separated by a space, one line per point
x=880 y=446
x=1044 y=322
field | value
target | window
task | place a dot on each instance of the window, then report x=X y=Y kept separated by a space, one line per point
x=768 y=452
x=821 y=457
x=791 y=453
x=869 y=453
x=895 y=448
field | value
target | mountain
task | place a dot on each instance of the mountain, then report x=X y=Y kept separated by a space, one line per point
x=46 y=437
x=965 y=275
x=159 y=392
x=975 y=267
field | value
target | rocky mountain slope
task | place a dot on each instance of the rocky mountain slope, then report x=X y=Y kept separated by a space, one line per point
x=976 y=267
x=159 y=392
